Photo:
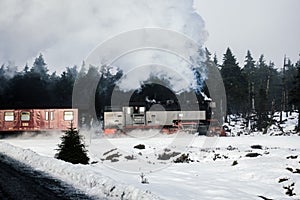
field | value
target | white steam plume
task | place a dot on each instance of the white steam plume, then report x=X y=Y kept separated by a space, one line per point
x=66 y=31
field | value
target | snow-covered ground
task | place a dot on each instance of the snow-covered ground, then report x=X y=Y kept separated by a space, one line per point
x=238 y=125
x=178 y=166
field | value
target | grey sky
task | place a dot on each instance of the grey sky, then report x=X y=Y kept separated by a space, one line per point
x=67 y=31
x=269 y=27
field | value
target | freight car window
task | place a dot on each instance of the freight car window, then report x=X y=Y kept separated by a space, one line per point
x=49 y=114
x=25 y=116
x=9 y=116
x=68 y=115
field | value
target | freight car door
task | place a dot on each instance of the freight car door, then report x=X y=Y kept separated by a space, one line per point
x=49 y=118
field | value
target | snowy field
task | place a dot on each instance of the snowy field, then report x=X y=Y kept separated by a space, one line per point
x=149 y=165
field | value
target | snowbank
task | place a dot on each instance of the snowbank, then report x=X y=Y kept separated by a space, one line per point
x=208 y=174
x=79 y=176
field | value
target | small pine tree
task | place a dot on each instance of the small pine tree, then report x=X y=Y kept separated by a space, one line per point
x=72 y=149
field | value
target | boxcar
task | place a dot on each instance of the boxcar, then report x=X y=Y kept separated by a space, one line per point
x=38 y=119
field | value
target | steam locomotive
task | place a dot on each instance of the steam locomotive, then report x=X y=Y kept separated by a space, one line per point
x=137 y=117
x=155 y=106
x=37 y=119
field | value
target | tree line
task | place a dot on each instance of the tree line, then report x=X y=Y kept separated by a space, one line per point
x=255 y=89
x=35 y=87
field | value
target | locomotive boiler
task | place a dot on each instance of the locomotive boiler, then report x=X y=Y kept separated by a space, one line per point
x=136 y=117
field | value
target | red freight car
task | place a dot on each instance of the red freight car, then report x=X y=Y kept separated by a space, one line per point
x=38 y=119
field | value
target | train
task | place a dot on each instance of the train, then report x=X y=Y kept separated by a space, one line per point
x=123 y=120
x=19 y=120
x=129 y=118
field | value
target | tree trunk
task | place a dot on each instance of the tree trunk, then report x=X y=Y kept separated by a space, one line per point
x=298 y=126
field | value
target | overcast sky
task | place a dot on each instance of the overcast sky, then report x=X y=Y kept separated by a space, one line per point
x=269 y=27
x=66 y=31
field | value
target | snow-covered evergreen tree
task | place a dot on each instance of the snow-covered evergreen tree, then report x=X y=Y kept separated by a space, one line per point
x=72 y=149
